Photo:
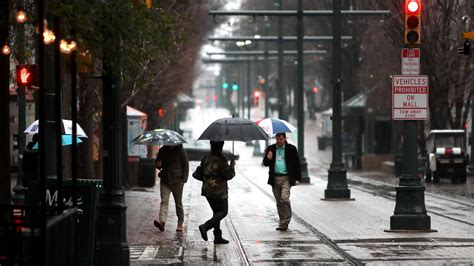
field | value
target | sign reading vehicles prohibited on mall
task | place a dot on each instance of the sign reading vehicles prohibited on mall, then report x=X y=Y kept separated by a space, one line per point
x=410 y=97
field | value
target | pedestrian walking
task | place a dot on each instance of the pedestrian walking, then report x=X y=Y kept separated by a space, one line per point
x=173 y=164
x=216 y=172
x=284 y=172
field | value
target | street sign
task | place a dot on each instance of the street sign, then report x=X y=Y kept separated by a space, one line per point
x=410 y=97
x=410 y=61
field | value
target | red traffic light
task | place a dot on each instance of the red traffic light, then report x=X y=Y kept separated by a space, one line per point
x=413 y=6
x=315 y=89
x=160 y=111
x=412 y=21
x=27 y=75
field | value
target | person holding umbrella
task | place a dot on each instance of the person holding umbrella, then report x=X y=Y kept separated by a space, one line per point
x=284 y=172
x=173 y=164
x=216 y=173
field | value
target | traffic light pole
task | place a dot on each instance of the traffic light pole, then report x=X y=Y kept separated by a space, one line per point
x=19 y=188
x=410 y=210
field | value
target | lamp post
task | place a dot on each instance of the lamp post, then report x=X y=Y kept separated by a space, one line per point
x=281 y=91
x=300 y=95
x=337 y=179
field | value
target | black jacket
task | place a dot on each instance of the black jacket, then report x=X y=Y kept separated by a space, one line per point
x=292 y=160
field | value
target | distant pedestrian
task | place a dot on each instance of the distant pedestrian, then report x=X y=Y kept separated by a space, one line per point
x=284 y=171
x=214 y=187
x=173 y=164
x=29 y=163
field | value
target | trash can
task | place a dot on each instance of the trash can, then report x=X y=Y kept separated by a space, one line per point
x=146 y=172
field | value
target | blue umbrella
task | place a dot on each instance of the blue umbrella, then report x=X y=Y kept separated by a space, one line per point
x=66 y=140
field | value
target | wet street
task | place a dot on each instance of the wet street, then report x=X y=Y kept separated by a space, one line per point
x=327 y=232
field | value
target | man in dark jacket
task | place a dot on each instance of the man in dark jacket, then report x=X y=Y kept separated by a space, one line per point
x=284 y=171
x=174 y=169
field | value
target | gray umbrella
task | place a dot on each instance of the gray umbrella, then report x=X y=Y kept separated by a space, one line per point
x=159 y=136
x=233 y=128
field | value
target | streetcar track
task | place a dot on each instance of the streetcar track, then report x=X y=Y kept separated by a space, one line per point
x=321 y=236
x=355 y=185
x=241 y=251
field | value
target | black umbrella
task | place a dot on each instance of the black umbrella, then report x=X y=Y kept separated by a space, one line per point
x=233 y=128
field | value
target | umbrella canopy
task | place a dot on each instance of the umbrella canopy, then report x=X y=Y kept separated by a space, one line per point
x=272 y=126
x=159 y=136
x=66 y=128
x=233 y=128
x=66 y=140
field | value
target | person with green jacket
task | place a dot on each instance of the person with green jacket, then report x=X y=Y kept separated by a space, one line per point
x=173 y=164
x=216 y=173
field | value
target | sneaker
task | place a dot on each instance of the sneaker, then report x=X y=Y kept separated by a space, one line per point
x=160 y=225
x=179 y=228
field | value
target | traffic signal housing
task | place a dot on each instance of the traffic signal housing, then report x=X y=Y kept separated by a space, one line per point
x=27 y=75
x=412 y=22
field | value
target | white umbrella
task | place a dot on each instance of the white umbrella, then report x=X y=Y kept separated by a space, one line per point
x=66 y=128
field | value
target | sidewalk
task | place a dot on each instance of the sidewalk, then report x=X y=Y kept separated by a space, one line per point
x=339 y=232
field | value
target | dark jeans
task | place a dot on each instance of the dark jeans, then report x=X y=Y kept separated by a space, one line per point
x=219 y=209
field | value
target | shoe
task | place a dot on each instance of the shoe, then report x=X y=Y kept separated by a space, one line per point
x=218 y=237
x=179 y=228
x=282 y=228
x=203 y=232
x=160 y=225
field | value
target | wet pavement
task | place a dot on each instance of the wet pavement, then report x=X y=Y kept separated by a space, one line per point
x=321 y=232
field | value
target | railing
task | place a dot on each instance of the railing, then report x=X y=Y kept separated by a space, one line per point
x=28 y=239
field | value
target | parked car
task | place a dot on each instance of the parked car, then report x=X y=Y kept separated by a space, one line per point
x=447 y=156
x=196 y=150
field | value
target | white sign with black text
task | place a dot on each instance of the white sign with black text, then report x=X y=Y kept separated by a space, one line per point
x=410 y=61
x=410 y=97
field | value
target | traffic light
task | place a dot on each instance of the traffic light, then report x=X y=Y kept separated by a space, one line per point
x=466 y=49
x=27 y=75
x=256 y=95
x=315 y=90
x=160 y=111
x=412 y=21
x=235 y=86
x=225 y=85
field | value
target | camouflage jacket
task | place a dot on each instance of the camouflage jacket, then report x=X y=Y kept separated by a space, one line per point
x=216 y=169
